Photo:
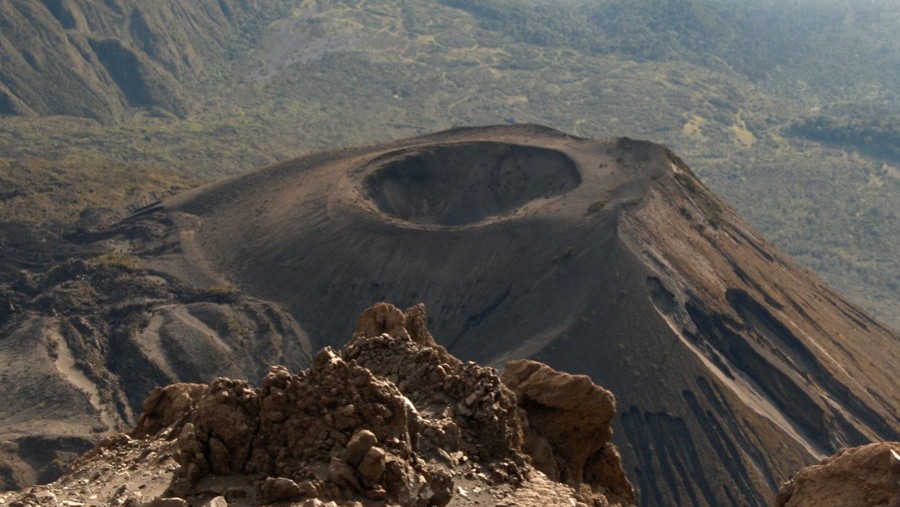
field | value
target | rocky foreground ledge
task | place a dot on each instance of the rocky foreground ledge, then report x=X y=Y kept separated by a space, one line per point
x=390 y=419
x=864 y=476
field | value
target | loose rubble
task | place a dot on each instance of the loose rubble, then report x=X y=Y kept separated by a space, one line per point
x=391 y=419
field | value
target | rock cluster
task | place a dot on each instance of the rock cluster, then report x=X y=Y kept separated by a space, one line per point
x=377 y=419
x=464 y=406
x=336 y=417
x=862 y=476
x=391 y=419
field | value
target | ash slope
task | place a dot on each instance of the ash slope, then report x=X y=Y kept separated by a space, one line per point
x=733 y=365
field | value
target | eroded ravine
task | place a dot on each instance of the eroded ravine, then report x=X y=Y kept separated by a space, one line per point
x=65 y=363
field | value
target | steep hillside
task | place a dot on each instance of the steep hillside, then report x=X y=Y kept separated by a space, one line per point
x=87 y=332
x=95 y=59
x=732 y=365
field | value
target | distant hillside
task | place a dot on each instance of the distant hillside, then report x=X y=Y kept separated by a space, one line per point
x=84 y=58
x=876 y=134
x=93 y=59
x=825 y=46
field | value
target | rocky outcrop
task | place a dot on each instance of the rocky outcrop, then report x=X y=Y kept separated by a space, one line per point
x=391 y=418
x=863 y=476
x=381 y=419
x=336 y=417
x=167 y=406
x=568 y=433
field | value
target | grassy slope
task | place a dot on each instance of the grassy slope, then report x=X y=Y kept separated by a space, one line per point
x=42 y=191
x=339 y=73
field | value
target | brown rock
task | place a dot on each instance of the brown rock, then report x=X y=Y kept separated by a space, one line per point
x=376 y=494
x=372 y=467
x=382 y=318
x=223 y=425
x=856 y=477
x=308 y=488
x=277 y=489
x=342 y=474
x=219 y=456
x=166 y=406
x=43 y=497
x=113 y=441
x=571 y=415
x=359 y=445
x=218 y=501
x=441 y=488
x=416 y=324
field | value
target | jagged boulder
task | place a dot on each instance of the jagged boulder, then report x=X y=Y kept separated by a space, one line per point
x=277 y=489
x=863 y=476
x=381 y=318
x=568 y=430
x=166 y=407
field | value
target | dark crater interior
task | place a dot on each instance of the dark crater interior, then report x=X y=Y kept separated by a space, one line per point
x=459 y=184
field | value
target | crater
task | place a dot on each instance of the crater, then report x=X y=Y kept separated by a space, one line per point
x=466 y=183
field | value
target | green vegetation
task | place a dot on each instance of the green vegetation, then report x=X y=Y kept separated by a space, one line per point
x=782 y=107
x=116 y=259
x=222 y=294
x=875 y=134
x=53 y=191
x=597 y=206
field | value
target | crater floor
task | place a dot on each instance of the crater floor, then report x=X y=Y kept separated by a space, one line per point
x=465 y=183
